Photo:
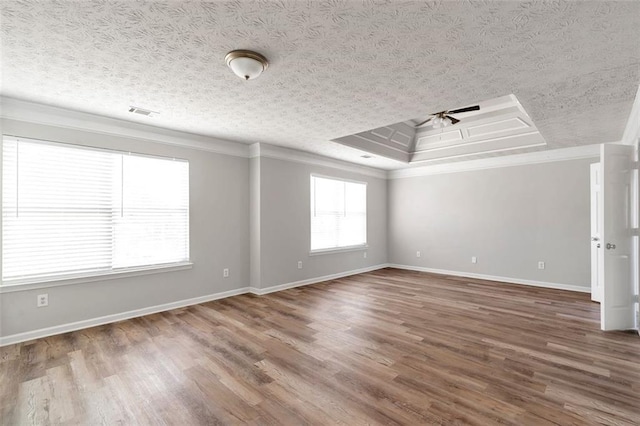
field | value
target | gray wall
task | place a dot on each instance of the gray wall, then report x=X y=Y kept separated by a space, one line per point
x=285 y=224
x=509 y=217
x=219 y=234
x=252 y=216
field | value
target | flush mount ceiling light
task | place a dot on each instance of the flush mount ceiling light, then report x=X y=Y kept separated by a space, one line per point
x=246 y=64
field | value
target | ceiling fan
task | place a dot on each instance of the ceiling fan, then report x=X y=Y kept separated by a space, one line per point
x=440 y=118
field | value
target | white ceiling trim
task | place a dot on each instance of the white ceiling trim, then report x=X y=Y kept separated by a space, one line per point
x=444 y=139
x=471 y=129
x=473 y=154
x=279 y=153
x=484 y=141
x=384 y=145
x=14 y=109
x=564 y=154
x=254 y=150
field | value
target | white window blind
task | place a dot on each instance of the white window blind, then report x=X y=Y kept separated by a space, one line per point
x=70 y=211
x=338 y=213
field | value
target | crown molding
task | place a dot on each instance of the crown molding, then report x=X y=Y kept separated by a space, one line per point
x=562 y=154
x=19 y=110
x=263 y=150
x=254 y=150
x=471 y=154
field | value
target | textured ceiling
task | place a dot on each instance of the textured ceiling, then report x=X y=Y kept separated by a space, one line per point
x=336 y=67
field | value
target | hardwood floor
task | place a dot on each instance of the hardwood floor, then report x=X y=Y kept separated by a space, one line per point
x=386 y=347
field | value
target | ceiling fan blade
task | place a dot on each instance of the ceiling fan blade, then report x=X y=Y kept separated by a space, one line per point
x=467 y=109
x=424 y=122
x=453 y=120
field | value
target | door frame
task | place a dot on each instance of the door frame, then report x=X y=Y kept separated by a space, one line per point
x=631 y=136
x=595 y=234
x=635 y=224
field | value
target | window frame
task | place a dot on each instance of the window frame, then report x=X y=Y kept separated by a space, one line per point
x=340 y=249
x=70 y=278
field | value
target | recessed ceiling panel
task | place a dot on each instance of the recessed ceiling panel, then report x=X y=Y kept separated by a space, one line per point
x=495 y=126
x=393 y=141
x=513 y=124
x=401 y=138
x=505 y=144
x=383 y=132
x=377 y=148
x=438 y=140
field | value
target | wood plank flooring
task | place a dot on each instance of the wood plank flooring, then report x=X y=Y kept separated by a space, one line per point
x=386 y=347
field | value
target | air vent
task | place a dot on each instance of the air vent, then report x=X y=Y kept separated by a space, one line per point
x=142 y=111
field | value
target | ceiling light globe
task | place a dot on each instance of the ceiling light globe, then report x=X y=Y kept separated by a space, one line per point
x=246 y=68
x=246 y=64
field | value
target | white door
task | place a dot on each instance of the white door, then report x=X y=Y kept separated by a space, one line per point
x=596 y=235
x=616 y=307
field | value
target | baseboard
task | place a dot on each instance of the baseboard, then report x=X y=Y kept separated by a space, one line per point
x=280 y=287
x=544 y=284
x=64 y=328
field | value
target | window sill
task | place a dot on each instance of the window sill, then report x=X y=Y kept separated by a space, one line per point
x=46 y=282
x=338 y=250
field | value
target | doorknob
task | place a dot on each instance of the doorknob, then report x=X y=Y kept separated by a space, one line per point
x=595 y=239
x=611 y=246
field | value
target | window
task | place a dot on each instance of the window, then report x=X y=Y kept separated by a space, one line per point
x=72 y=211
x=338 y=213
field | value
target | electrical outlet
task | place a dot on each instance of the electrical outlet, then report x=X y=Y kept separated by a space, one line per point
x=364 y=255
x=299 y=264
x=225 y=273
x=474 y=259
x=43 y=300
x=540 y=265
x=417 y=254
